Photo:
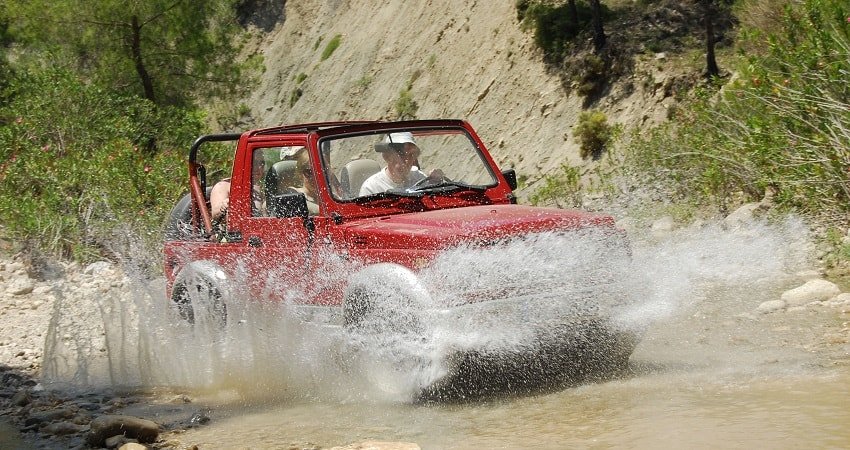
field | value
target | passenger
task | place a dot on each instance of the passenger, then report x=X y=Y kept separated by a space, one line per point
x=401 y=154
x=220 y=193
x=308 y=181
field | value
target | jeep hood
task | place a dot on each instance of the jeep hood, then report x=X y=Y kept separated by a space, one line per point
x=448 y=227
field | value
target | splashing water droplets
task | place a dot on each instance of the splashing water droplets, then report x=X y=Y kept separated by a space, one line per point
x=496 y=301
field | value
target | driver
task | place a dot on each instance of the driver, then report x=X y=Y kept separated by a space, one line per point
x=401 y=154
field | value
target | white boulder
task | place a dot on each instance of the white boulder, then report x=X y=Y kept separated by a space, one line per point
x=817 y=290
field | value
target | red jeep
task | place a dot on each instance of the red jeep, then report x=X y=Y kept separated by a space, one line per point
x=397 y=227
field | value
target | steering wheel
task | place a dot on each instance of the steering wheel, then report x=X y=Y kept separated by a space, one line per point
x=421 y=183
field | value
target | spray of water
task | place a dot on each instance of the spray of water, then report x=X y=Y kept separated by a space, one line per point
x=551 y=281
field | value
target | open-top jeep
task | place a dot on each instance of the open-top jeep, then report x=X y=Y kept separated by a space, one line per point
x=362 y=220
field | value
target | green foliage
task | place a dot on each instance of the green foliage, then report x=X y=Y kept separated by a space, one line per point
x=71 y=170
x=294 y=96
x=784 y=125
x=590 y=75
x=300 y=78
x=168 y=52
x=405 y=106
x=364 y=82
x=561 y=189
x=593 y=132
x=553 y=24
x=331 y=47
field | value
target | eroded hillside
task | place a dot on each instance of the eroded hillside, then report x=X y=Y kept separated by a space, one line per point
x=467 y=60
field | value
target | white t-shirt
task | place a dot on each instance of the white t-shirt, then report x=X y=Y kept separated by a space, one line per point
x=381 y=182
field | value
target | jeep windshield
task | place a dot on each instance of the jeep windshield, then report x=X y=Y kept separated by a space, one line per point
x=404 y=165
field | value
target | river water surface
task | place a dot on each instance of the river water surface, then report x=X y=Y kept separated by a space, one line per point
x=710 y=371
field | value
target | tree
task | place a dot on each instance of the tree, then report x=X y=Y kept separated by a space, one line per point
x=598 y=30
x=711 y=68
x=167 y=51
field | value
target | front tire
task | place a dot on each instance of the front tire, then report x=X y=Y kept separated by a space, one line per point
x=385 y=299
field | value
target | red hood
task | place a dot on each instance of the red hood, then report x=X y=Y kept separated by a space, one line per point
x=443 y=228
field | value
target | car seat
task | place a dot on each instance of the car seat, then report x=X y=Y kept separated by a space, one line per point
x=355 y=173
x=281 y=176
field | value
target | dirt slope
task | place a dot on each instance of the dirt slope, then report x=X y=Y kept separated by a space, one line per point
x=466 y=60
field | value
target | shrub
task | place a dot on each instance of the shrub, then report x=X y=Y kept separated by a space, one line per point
x=591 y=75
x=562 y=189
x=553 y=25
x=784 y=125
x=294 y=96
x=405 y=106
x=331 y=47
x=593 y=133
x=74 y=163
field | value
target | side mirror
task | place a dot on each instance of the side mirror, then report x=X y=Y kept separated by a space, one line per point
x=289 y=205
x=510 y=176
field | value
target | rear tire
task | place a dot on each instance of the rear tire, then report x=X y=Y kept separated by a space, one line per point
x=201 y=304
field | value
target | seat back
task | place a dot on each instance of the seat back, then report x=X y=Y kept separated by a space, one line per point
x=355 y=173
x=282 y=175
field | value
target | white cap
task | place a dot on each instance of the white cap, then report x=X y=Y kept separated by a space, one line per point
x=286 y=152
x=399 y=138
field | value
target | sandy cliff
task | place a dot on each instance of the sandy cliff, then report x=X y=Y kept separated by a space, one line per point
x=468 y=60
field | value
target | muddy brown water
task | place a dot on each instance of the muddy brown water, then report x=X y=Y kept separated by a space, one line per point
x=710 y=371
x=777 y=382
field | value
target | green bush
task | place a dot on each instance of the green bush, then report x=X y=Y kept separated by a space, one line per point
x=784 y=125
x=594 y=133
x=553 y=25
x=405 y=106
x=562 y=189
x=331 y=47
x=75 y=164
x=294 y=96
x=590 y=75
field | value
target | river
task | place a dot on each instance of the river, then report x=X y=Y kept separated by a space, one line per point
x=709 y=372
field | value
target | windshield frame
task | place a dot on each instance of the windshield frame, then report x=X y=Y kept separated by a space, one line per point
x=443 y=197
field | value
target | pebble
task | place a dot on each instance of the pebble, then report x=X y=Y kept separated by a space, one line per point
x=771 y=306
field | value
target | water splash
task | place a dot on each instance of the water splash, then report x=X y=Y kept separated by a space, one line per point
x=267 y=352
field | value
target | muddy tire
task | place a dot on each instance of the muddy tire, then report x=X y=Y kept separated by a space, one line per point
x=201 y=304
x=384 y=298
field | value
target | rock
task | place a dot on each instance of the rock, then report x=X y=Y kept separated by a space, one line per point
x=42 y=290
x=812 y=291
x=181 y=398
x=21 y=398
x=839 y=300
x=771 y=306
x=133 y=446
x=808 y=274
x=107 y=426
x=20 y=286
x=744 y=214
x=98 y=268
x=119 y=441
x=39 y=417
x=663 y=225
x=63 y=428
x=380 y=445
